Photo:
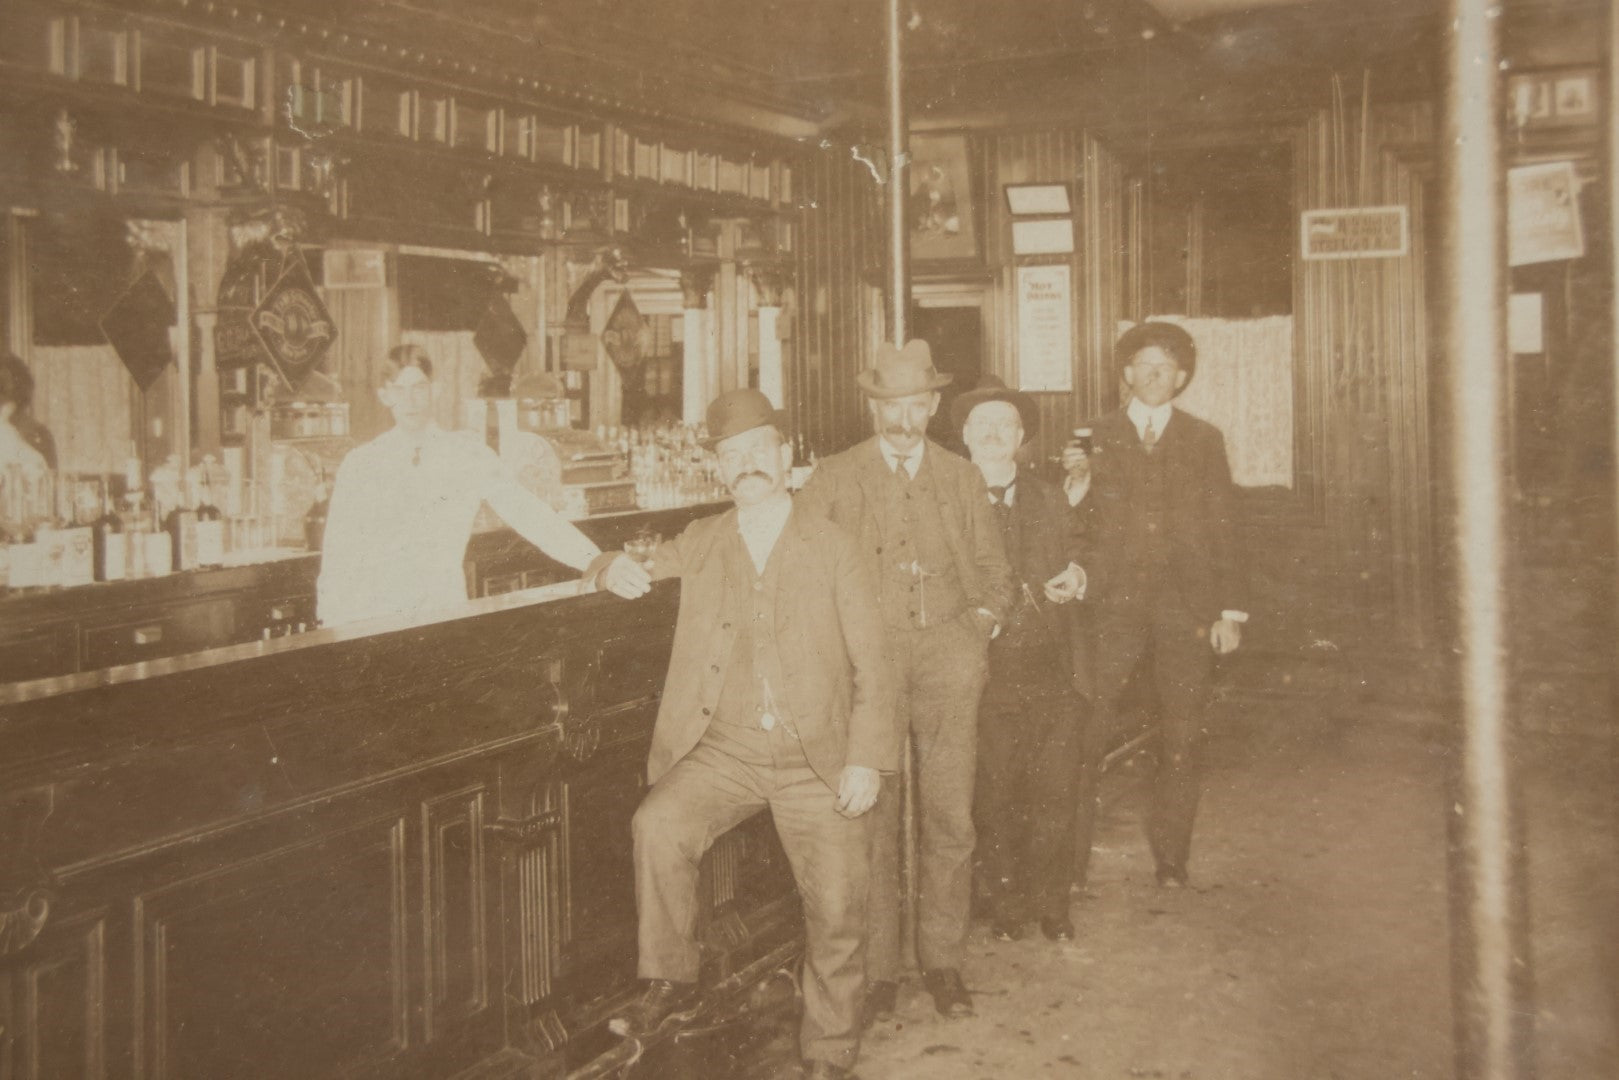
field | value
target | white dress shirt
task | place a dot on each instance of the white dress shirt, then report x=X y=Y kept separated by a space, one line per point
x=761 y=527
x=911 y=458
x=401 y=515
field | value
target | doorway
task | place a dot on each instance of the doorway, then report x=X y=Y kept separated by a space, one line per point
x=955 y=333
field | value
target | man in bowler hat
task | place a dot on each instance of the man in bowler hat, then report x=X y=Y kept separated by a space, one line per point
x=778 y=696
x=1030 y=718
x=1165 y=577
x=922 y=522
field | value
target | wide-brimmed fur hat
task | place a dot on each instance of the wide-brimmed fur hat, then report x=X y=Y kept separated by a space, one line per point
x=897 y=372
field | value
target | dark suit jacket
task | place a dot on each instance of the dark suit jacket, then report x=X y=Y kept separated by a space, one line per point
x=1044 y=541
x=829 y=635
x=1205 y=563
x=846 y=488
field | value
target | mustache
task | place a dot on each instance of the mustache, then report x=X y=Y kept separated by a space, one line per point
x=901 y=429
x=739 y=477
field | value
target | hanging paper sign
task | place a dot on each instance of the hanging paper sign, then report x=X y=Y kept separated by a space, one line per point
x=1543 y=214
x=1362 y=232
x=137 y=327
x=1045 y=342
x=499 y=337
x=293 y=325
x=622 y=337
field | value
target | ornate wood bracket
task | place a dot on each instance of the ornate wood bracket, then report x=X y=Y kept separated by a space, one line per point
x=609 y=263
x=695 y=283
x=22 y=919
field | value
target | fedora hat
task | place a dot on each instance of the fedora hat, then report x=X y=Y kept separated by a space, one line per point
x=1168 y=336
x=991 y=388
x=897 y=372
x=736 y=411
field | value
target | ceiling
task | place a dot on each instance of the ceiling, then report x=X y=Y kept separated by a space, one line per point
x=819 y=63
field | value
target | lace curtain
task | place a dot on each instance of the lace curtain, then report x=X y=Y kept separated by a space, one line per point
x=1244 y=386
x=83 y=395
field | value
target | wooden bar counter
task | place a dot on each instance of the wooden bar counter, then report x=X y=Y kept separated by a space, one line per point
x=394 y=849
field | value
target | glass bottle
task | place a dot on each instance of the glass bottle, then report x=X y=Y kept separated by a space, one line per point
x=210 y=521
x=111 y=548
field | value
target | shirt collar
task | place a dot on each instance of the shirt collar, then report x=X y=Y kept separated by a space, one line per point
x=764 y=522
x=1140 y=412
x=892 y=457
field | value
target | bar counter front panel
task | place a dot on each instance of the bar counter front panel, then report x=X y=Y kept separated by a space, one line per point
x=383 y=850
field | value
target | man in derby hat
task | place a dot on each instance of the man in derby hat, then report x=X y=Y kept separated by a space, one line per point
x=1158 y=518
x=778 y=696
x=923 y=524
x=1030 y=715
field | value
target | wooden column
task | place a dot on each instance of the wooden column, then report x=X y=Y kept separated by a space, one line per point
x=1493 y=1002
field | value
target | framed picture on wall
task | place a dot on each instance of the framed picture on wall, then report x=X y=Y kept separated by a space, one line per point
x=942 y=205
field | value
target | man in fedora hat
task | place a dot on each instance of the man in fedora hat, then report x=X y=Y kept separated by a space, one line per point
x=778 y=696
x=922 y=521
x=1159 y=515
x=1030 y=716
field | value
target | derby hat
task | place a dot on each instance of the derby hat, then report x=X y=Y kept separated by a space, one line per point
x=991 y=388
x=736 y=411
x=1173 y=339
x=898 y=372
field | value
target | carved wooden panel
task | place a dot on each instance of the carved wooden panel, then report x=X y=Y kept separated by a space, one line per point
x=456 y=946
x=278 y=960
x=53 y=1006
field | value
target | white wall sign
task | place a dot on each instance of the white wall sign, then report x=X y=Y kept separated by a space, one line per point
x=1045 y=341
x=1543 y=214
x=1362 y=232
x=1043 y=236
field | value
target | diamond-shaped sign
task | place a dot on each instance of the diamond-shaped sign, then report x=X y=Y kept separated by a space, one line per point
x=137 y=326
x=622 y=335
x=293 y=325
x=500 y=337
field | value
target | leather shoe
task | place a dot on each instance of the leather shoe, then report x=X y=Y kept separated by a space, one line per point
x=1057 y=928
x=1171 y=877
x=950 y=997
x=825 y=1070
x=882 y=1000
x=661 y=1004
x=1002 y=929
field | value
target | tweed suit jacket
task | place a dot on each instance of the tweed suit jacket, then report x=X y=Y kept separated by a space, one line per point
x=847 y=488
x=829 y=637
x=1200 y=516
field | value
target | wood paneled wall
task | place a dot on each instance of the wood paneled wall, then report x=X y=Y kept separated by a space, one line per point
x=839 y=315
x=1097 y=193
x=1364 y=355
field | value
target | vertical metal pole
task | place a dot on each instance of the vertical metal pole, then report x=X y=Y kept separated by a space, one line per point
x=899 y=233
x=1490 y=959
x=899 y=308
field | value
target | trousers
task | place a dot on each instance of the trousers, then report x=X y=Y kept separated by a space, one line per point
x=1173 y=642
x=1029 y=735
x=939 y=674
x=718 y=785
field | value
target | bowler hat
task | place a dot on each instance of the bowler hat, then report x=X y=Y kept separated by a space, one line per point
x=736 y=411
x=991 y=388
x=897 y=372
x=1167 y=336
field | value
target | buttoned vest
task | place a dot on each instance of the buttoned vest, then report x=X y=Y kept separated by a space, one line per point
x=913 y=540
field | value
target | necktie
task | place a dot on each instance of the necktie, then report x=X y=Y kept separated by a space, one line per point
x=1149 y=437
x=902 y=466
x=997 y=496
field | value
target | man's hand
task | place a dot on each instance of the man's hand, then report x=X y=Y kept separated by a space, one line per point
x=857 y=790
x=1225 y=635
x=987 y=623
x=1066 y=586
x=1076 y=463
x=619 y=574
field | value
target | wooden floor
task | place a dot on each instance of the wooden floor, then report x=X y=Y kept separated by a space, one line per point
x=1313 y=944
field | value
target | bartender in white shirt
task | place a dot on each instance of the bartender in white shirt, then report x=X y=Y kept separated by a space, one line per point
x=403 y=506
